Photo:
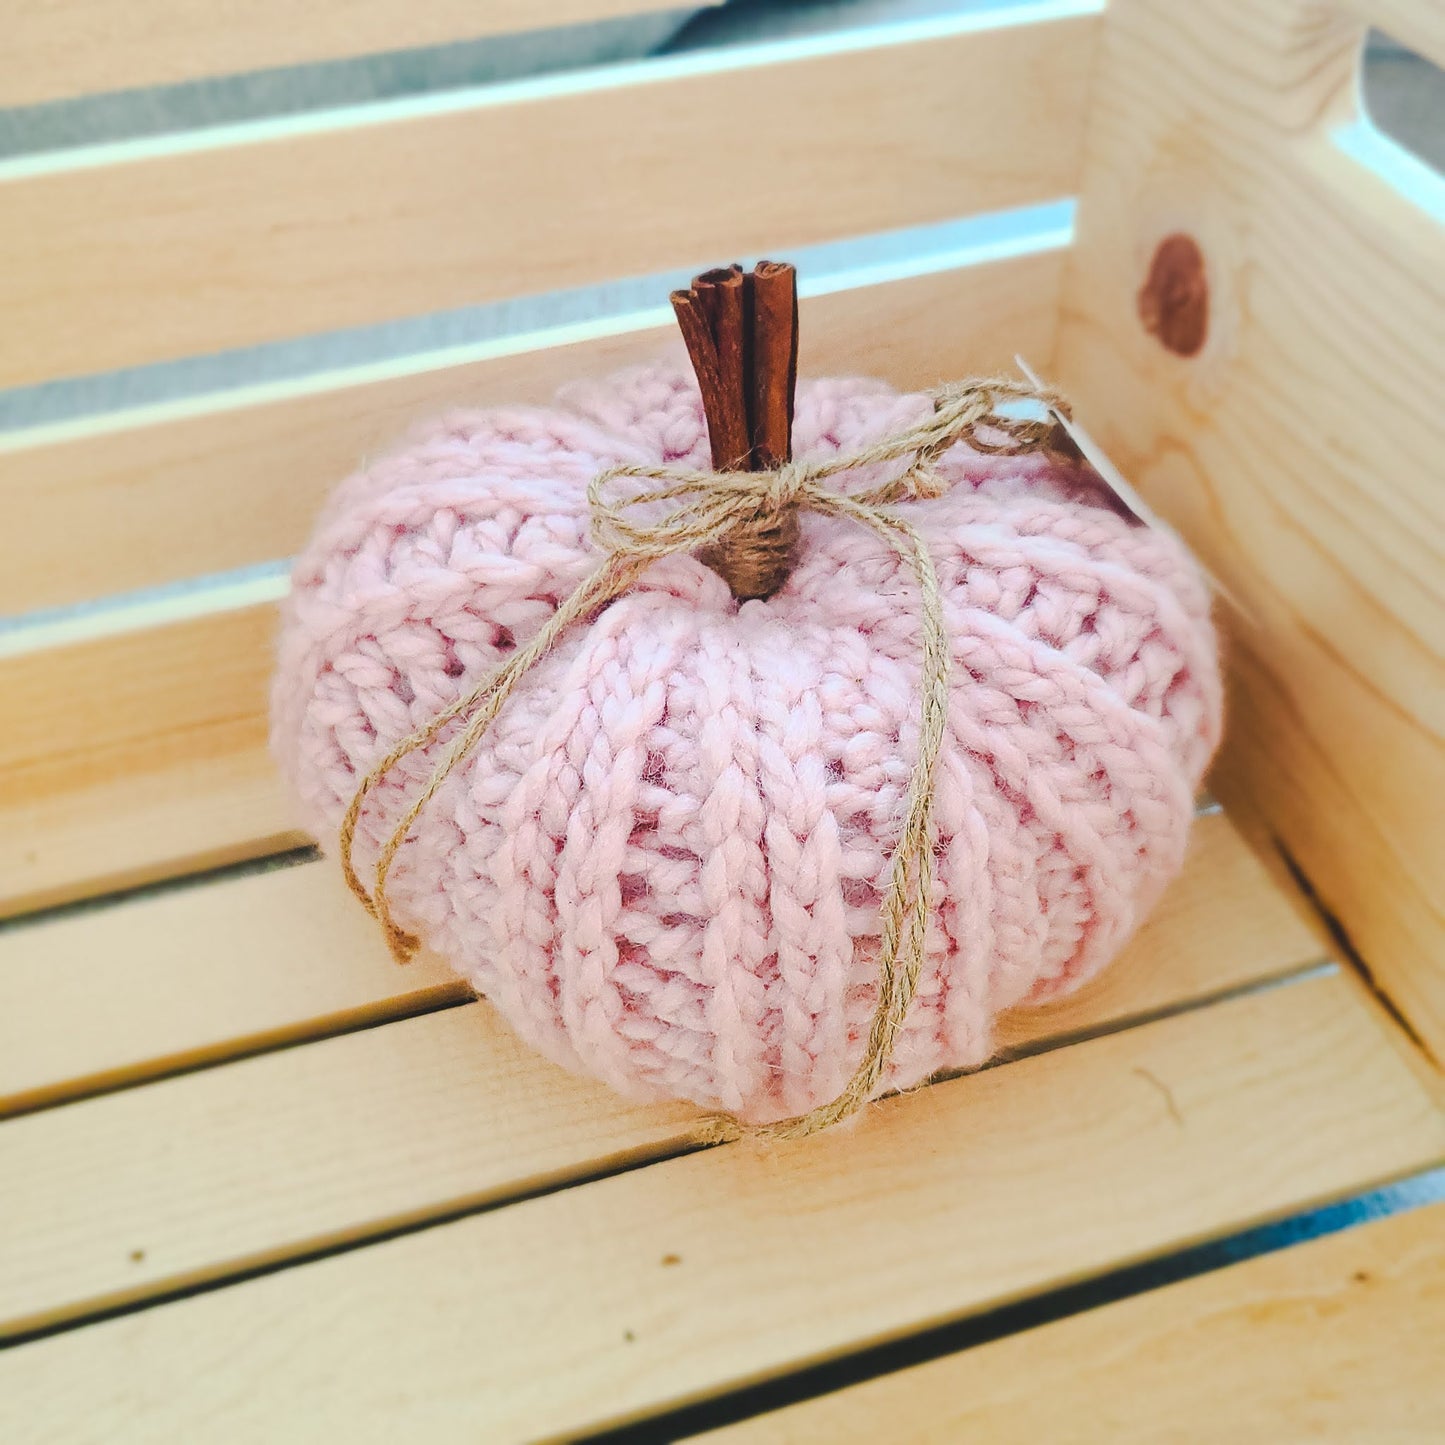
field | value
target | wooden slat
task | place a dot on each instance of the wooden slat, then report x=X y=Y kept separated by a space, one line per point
x=495 y=1118
x=83 y=714
x=157 y=249
x=130 y=830
x=137 y=756
x=1299 y=450
x=63 y=48
x=195 y=974
x=610 y=1300
x=293 y=1151
x=132 y=757
x=1335 y=1342
x=222 y=482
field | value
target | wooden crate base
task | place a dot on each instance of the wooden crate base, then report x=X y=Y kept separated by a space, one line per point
x=260 y=1155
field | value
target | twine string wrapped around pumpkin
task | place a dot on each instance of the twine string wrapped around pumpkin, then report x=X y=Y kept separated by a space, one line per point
x=700 y=509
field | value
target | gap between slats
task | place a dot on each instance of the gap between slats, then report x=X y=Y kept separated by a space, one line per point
x=138 y=252
x=287 y=957
x=631 y=1139
x=218 y=480
x=1075 y=1164
x=134 y=754
x=476 y=1116
x=1266 y=1304
x=60 y=51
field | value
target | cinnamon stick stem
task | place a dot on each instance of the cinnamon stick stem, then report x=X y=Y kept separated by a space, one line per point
x=741 y=332
x=696 y=331
x=723 y=296
x=774 y=370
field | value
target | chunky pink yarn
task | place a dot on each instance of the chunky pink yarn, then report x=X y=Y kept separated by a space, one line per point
x=664 y=862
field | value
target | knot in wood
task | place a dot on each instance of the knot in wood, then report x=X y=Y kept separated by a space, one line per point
x=1174 y=299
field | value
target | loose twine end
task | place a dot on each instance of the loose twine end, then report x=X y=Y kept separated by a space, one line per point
x=680 y=510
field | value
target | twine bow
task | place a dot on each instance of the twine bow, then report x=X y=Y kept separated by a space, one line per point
x=702 y=508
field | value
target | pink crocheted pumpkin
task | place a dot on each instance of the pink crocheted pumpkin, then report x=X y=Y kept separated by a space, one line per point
x=664 y=862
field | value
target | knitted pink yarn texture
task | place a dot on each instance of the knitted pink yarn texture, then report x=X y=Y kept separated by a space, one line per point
x=665 y=861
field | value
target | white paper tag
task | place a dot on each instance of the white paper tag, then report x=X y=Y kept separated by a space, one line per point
x=1097 y=458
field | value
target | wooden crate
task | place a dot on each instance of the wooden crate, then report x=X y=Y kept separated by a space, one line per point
x=258 y=1184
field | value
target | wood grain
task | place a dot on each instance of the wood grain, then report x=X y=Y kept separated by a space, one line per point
x=56 y=49
x=196 y=974
x=137 y=756
x=294 y=1151
x=1335 y=1342
x=132 y=829
x=613 y=1299
x=141 y=253
x=225 y=481
x=1299 y=450
x=251 y=1185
